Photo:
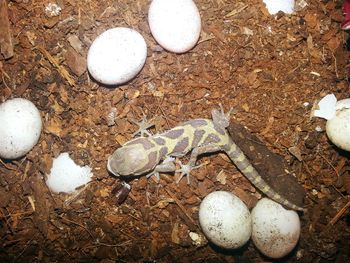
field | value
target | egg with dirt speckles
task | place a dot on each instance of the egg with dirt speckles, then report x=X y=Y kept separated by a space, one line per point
x=175 y=24
x=20 y=127
x=116 y=56
x=276 y=230
x=225 y=220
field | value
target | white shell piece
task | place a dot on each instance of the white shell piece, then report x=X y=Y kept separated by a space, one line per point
x=326 y=107
x=65 y=176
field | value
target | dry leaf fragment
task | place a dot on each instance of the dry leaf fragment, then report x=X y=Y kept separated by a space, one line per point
x=54 y=126
x=221 y=177
x=295 y=151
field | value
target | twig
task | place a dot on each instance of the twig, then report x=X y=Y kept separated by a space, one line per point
x=63 y=72
x=24 y=249
x=177 y=201
x=329 y=163
x=236 y=11
x=6 y=43
x=75 y=223
x=113 y=245
x=6 y=166
x=339 y=214
x=335 y=65
x=183 y=209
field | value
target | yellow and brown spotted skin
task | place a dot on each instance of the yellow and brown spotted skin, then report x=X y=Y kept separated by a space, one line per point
x=141 y=155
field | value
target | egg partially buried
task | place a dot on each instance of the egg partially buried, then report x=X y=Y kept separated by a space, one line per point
x=275 y=230
x=116 y=56
x=274 y=6
x=337 y=114
x=175 y=24
x=338 y=127
x=20 y=127
x=225 y=220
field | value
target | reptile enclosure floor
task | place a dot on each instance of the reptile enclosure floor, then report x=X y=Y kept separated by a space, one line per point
x=270 y=69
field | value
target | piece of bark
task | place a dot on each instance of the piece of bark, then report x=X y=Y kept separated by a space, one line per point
x=75 y=61
x=6 y=45
x=269 y=165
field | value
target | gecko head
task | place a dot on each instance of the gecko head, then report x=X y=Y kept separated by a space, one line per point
x=129 y=160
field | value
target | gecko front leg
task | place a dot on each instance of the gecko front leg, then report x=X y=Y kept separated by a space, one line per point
x=144 y=124
x=185 y=169
x=167 y=166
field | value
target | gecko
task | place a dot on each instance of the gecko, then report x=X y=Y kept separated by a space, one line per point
x=156 y=153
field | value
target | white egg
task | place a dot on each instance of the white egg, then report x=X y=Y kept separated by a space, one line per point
x=116 y=56
x=275 y=230
x=20 y=127
x=65 y=176
x=338 y=127
x=274 y=6
x=225 y=220
x=175 y=24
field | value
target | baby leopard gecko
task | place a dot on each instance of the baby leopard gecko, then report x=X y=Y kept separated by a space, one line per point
x=154 y=154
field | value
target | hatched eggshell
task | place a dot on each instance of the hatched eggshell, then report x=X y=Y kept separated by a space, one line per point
x=326 y=107
x=275 y=230
x=225 y=220
x=116 y=56
x=175 y=24
x=20 y=127
x=274 y=6
x=65 y=176
x=338 y=127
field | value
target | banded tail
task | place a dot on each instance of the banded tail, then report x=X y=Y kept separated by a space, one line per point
x=241 y=161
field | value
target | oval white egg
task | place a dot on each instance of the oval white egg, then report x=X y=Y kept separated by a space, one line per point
x=225 y=220
x=338 y=127
x=274 y=6
x=175 y=24
x=116 y=56
x=275 y=230
x=20 y=127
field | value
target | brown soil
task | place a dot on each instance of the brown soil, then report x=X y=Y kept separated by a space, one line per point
x=266 y=68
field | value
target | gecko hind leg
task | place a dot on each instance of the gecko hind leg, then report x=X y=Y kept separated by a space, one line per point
x=220 y=118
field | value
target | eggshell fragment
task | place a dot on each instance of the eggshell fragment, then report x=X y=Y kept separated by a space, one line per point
x=20 y=127
x=337 y=114
x=116 y=56
x=175 y=24
x=275 y=230
x=65 y=176
x=326 y=107
x=338 y=127
x=274 y=6
x=225 y=220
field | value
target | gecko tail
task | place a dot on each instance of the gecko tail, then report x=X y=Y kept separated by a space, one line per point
x=241 y=161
